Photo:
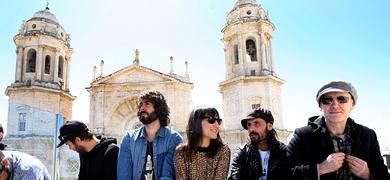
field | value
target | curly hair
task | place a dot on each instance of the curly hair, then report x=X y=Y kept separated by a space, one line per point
x=160 y=105
x=194 y=133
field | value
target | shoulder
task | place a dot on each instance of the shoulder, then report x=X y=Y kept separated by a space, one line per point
x=280 y=145
x=225 y=147
x=304 y=130
x=179 y=151
x=225 y=150
x=133 y=134
x=362 y=130
x=181 y=147
x=171 y=134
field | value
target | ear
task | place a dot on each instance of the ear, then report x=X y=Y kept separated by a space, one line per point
x=77 y=140
x=269 y=126
x=5 y=162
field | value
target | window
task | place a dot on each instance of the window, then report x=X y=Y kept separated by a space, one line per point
x=235 y=54
x=47 y=64
x=22 y=122
x=255 y=106
x=253 y=72
x=31 y=60
x=60 y=67
x=251 y=49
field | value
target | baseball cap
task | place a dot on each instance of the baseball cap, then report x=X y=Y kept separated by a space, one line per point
x=264 y=114
x=71 y=129
x=337 y=86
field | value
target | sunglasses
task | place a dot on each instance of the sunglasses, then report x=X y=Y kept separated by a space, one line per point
x=212 y=120
x=329 y=100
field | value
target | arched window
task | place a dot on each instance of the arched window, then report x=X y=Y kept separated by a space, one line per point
x=22 y=122
x=235 y=54
x=31 y=60
x=251 y=49
x=60 y=67
x=47 y=64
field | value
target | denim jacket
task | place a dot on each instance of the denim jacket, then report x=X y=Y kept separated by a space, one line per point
x=131 y=158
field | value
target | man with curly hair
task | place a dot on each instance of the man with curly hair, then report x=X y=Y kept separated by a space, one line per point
x=147 y=152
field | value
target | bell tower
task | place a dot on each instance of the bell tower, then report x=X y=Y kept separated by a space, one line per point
x=250 y=80
x=41 y=86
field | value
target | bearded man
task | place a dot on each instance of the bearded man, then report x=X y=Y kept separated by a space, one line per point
x=147 y=152
x=98 y=155
x=264 y=157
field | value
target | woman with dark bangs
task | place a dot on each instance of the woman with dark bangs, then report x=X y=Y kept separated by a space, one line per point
x=204 y=156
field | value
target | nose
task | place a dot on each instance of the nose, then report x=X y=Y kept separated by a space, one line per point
x=142 y=108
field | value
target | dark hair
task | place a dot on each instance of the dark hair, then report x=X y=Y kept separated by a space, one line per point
x=194 y=133
x=160 y=105
x=1 y=128
x=266 y=115
x=272 y=136
x=87 y=135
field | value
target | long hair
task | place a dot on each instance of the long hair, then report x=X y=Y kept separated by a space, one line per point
x=160 y=105
x=194 y=133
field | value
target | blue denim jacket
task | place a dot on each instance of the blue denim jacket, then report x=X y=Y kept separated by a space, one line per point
x=131 y=158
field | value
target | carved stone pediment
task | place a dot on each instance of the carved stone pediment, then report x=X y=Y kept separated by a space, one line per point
x=136 y=74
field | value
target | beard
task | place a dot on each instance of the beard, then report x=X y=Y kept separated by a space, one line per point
x=256 y=138
x=80 y=149
x=146 y=118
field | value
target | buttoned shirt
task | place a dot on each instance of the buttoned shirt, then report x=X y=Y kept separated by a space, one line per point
x=25 y=167
x=131 y=158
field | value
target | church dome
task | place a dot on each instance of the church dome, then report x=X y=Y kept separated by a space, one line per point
x=242 y=2
x=246 y=11
x=44 y=22
x=46 y=14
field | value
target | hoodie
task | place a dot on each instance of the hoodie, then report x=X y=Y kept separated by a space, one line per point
x=100 y=162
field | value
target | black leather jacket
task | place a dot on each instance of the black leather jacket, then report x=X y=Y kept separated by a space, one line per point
x=311 y=145
x=247 y=163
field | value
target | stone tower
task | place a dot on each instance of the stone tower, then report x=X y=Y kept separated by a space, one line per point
x=250 y=79
x=41 y=86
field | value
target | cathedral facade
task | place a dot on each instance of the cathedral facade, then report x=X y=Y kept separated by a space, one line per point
x=41 y=87
x=114 y=98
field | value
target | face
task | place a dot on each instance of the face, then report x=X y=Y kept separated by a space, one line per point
x=1 y=136
x=76 y=146
x=336 y=106
x=4 y=175
x=146 y=113
x=210 y=127
x=258 y=130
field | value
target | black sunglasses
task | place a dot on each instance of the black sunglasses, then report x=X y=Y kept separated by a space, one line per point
x=212 y=120
x=329 y=100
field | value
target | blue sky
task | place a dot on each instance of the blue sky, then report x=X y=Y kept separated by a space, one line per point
x=314 y=42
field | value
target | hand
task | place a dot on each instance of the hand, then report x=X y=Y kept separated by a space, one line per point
x=332 y=163
x=358 y=167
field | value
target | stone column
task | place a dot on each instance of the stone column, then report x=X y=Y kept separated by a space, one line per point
x=19 y=64
x=39 y=63
x=258 y=54
x=67 y=72
x=263 y=56
x=271 y=57
x=56 y=59
x=242 y=52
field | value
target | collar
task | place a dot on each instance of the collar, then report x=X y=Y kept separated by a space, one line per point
x=321 y=125
x=161 y=132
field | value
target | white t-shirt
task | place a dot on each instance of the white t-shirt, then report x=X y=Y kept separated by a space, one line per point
x=264 y=163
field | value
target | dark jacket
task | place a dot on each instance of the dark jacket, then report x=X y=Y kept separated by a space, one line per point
x=247 y=163
x=100 y=162
x=312 y=144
